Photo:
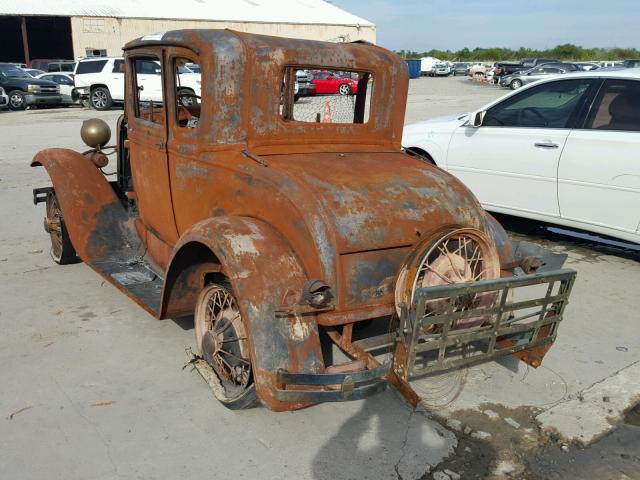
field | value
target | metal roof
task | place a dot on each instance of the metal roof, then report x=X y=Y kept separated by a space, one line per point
x=254 y=11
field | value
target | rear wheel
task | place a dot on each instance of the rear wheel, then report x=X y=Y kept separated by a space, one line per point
x=344 y=89
x=221 y=339
x=100 y=98
x=515 y=84
x=62 y=251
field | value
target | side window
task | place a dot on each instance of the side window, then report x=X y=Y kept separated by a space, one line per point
x=617 y=107
x=117 y=66
x=188 y=91
x=550 y=105
x=149 y=97
x=50 y=78
x=65 y=80
x=91 y=66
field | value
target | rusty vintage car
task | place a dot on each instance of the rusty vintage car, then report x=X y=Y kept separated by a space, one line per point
x=291 y=230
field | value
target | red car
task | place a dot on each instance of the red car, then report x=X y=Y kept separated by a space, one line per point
x=332 y=82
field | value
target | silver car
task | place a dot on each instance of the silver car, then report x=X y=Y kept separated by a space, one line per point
x=518 y=79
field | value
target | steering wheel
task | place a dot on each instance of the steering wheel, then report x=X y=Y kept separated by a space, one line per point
x=183 y=95
x=535 y=112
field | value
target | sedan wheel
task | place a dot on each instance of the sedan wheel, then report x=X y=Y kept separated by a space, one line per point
x=17 y=101
x=515 y=84
x=344 y=89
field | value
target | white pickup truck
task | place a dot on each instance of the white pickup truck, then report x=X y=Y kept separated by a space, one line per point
x=99 y=81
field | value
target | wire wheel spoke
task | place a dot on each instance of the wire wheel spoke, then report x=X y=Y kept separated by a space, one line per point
x=218 y=321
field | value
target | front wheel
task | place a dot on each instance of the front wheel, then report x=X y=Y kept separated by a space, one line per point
x=100 y=98
x=515 y=84
x=221 y=340
x=62 y=251
x=17 y=100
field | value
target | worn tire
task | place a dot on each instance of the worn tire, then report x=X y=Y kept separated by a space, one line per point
x=62 y=251
x=100 y=99
x=246 y=398
x=17 y=100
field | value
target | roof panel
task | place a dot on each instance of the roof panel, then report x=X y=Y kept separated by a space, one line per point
x=263 y=11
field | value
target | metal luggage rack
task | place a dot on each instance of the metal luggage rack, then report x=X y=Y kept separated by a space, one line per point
x=526 y=328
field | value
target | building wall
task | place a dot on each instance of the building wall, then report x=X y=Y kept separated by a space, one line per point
x=112 y=33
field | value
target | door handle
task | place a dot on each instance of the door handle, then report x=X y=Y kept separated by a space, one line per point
x=546 y=145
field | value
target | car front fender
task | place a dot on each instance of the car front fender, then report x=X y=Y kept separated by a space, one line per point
x=267 y=279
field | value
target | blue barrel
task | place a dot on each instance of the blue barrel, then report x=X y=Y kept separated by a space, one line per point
x=414 y=68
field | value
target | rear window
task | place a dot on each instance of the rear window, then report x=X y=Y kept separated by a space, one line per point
x=93 y=66
x=330 y=96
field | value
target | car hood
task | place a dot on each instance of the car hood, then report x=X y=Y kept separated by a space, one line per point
x=373 y=200
x=442 y=124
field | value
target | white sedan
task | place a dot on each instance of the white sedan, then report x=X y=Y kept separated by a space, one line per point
x=65 y=80
x=563 y=151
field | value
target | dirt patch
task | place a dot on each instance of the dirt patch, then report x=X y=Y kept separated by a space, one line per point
x=633 y=416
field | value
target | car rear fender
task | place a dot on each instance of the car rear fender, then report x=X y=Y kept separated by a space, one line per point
x=267 y=280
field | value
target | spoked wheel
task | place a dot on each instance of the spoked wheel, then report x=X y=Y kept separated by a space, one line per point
x=459 y=256
x=62 y=251
x=221 y=339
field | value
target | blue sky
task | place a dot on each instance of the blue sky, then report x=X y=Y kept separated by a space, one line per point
x=420 y=25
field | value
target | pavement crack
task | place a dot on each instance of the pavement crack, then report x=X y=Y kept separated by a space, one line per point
x=403 y=452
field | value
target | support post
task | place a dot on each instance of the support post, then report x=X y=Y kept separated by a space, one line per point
x=25 y=41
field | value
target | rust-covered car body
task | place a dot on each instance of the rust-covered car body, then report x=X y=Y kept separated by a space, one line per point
x=282 y=210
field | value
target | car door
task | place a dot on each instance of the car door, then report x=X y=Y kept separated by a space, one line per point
x=115 y=79
x=324 y=83
x=511 y=161
x=599 y=173
x=147 y=134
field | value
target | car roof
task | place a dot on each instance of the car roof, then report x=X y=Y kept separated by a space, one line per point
x=95 y=59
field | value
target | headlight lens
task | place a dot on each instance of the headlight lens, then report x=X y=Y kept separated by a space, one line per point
x=33 y=88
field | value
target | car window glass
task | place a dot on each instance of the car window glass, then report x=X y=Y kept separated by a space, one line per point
x=617 y=107
x=64 y=80
x=342 y=96
x=187 y=93
x=93 y=66
x=117 y=65
x=149 y=95
x=549 y=105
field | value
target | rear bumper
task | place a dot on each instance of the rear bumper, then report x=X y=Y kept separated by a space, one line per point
x=524 y=328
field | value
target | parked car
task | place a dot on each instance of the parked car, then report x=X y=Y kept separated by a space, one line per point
x=332 y=83
x=477 y=69
x=34 y=72
x=427 y=64
x=24 y=90
x=62 y=66
x=193 y=67
x=460 y=68
x=4 y=98
x=518 y=79
x=42 y=63
x=277 y=232
x=99 y=81
x=65 y=82
x=631 y=63
x=530 y=62
x=503 y=68
x=306 y=87
x=587 y=66
x=572 y=144
x=441 y=70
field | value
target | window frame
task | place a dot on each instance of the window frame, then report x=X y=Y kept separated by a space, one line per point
x=134 y=84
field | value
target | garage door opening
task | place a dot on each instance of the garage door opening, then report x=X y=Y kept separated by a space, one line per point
x=47 y=38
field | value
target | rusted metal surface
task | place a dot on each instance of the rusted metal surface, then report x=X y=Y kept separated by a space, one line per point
x=267 y=205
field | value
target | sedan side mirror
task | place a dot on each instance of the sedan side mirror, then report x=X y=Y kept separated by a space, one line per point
x=477 y=119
